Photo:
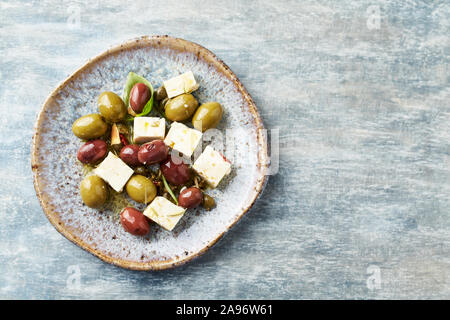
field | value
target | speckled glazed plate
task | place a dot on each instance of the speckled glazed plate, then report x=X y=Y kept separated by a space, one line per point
x=57 y=173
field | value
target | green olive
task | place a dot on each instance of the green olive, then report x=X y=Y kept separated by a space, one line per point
x=141 y=189
x=181 y=107
x=94 y=191
x=207 y=116
x=208 y=202
x=90 y=126
x=111 y=106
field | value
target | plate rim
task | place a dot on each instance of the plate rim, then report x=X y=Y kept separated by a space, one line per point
x=182 y=46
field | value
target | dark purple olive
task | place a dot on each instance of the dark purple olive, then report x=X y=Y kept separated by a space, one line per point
x=129 y=155
x=134 y=222
x=139 y=96
x=92 y=151
x=175 y=172
x=190 y=198
x=153 y=152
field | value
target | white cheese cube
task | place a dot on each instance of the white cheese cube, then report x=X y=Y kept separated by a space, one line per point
x=164 y=213
x=182 y=138
x=114 y=171
x=184 y=83
x=148 y=128
x=212 y=166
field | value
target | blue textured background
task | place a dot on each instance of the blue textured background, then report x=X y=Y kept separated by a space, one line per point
x=359 y=93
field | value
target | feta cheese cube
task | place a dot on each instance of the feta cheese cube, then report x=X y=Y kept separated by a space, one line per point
x=114 y=171
x=212 y=166
x=182 y=138
x=184 y=83
x=164 y=213
x=148 y=128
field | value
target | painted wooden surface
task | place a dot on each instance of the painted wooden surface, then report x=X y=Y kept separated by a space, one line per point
x=359 y=94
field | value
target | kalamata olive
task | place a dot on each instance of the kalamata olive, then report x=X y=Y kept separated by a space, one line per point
x=190 y=197
x=129 y=155
x=134 y=222
x=92 y=151
x=208 y=202
x=175 y=172
x=139 y=96
x=90 y=126
x=94 y=191
x=153 y=152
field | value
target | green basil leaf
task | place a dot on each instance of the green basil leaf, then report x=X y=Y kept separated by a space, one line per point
x=166 y=185
x=132 y=79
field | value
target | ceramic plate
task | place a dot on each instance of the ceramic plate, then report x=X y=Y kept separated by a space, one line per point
x=57 y=172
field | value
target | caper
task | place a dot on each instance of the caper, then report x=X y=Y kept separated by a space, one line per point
x=208 y=202
x=143 y=171
x=160 y=93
